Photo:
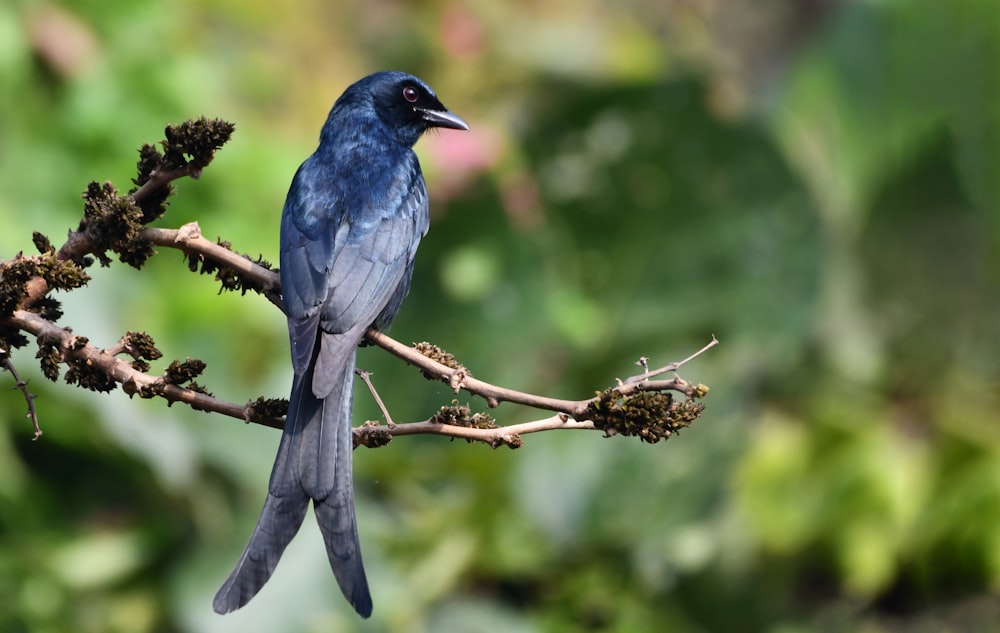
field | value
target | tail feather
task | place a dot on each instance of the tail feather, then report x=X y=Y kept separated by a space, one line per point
x=313 y=462
x=279 y=522
x=338 y=524
x=333 y=498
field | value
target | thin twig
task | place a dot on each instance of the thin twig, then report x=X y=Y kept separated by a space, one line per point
x=366 y=377
x=672 y=366
x=28 y=396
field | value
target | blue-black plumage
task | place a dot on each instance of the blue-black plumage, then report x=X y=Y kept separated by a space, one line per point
x=354 y=215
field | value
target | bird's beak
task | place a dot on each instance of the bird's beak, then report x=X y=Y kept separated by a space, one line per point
x=443 y=118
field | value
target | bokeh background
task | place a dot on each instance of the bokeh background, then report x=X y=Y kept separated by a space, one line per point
x=815 y=182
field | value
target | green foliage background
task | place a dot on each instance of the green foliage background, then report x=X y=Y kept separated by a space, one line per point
x=818 y=184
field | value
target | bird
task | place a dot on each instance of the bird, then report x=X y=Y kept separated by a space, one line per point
x=354 y=215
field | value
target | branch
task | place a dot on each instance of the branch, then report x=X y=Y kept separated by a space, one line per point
x=189 y=239
x=636 y=406
x=458 y=377
x=81 y=354
x=591 y=414
x=162 y=177
x=112 y=221
x=571 y=414
x=372 y=435
x=428 y=358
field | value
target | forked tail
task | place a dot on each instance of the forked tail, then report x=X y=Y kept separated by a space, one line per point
x=313 y=462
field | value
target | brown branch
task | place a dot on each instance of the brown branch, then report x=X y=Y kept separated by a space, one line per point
x=189 y=239
x=134 y=381
x=458 y=379
x=79 y=243
x=122 y=372
x=162 y=178
x=509 y=435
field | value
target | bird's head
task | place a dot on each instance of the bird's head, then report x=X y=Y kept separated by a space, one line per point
x=404 y=103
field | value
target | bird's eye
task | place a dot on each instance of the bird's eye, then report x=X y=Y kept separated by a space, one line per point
x=410 y=94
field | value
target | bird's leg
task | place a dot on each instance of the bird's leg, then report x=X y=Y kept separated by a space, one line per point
x=366 y=376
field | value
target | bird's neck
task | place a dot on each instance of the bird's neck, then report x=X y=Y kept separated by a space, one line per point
x=346 y=126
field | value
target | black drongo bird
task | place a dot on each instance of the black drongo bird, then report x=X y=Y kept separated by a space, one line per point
x=353 y=218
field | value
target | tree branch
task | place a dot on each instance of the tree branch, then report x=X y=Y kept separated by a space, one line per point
x=369 y=434
x=76 y=350
x=189 y=239
x=635 y=406
x=459 y=378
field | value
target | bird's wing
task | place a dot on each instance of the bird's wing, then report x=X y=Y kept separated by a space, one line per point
x=312 y=234
x=345 y=250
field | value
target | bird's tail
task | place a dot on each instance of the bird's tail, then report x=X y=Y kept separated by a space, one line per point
x=313 y=461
